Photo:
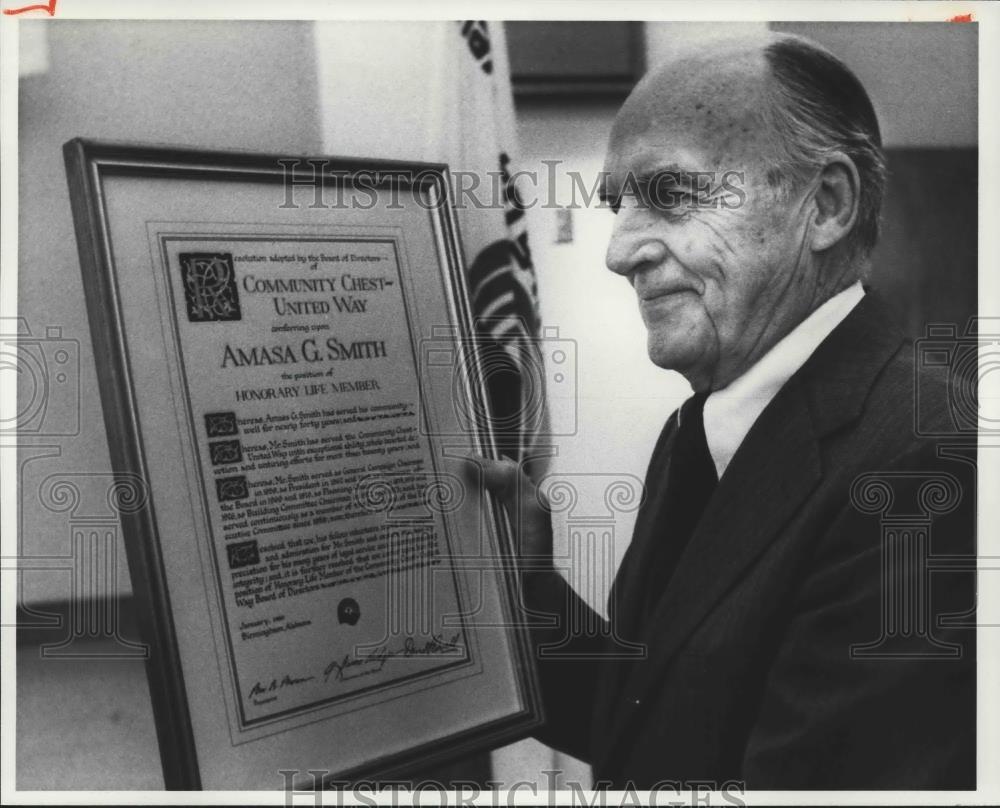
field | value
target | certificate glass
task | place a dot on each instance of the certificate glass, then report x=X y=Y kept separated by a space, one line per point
x=285 y=360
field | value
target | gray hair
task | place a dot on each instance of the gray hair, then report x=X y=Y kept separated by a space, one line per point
x=818 y=106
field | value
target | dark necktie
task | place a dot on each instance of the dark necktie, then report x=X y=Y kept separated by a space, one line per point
x=690 y=481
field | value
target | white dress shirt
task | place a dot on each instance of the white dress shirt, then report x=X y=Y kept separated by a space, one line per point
x=731 y=411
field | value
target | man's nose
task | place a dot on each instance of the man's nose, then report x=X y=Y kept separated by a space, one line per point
x=633 y=245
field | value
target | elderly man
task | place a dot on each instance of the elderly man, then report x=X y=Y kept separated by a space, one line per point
x=756 y=631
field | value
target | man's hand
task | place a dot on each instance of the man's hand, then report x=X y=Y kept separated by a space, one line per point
x=568 y=659
x=526 y=506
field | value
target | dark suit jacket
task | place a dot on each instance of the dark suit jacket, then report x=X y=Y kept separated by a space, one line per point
x=796 y=646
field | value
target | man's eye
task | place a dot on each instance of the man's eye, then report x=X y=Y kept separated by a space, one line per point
x=679 y=205
x=672 y=202
x=668 y=197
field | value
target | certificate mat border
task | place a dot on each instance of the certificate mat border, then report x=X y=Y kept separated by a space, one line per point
x=87 y=163
x=322 y=704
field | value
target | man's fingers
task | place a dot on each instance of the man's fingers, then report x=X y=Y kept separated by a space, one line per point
x=498 y=476
x=506 y=480
x=501 y=477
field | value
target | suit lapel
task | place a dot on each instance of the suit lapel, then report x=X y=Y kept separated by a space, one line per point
x=775 y=469
x=769 y=477
x=625 y=611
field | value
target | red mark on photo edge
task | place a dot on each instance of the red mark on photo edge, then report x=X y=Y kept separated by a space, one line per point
x=49 y=7
x=961 y=18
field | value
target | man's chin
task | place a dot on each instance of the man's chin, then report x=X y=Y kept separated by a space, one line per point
x=673 y=356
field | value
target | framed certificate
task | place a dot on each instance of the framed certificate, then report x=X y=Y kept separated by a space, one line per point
x=287 y=369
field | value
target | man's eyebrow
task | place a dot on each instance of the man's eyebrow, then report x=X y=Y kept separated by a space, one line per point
x=610 y=191
x=654 y=168
x=668 y=171
x=655 y=173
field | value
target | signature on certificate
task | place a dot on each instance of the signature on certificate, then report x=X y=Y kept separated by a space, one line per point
x=263 y=692
x=341 y=669
x=353 y=666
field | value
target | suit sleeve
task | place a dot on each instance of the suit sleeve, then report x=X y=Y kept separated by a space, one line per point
x=573 y=654
x=862 y=694
x=568 y=661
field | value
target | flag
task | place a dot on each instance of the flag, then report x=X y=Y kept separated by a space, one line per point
x=441 y=92
x=480 y=136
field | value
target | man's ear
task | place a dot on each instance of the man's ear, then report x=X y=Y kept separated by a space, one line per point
x=836 y=201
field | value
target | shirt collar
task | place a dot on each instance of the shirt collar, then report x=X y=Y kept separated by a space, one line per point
x=731 y=411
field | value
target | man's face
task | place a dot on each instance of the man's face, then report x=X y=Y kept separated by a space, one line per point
x=718 y=282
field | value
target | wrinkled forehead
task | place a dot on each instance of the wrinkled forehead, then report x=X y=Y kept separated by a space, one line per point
x=701 y=112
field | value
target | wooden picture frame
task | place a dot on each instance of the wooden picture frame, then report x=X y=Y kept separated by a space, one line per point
x=309 y=306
